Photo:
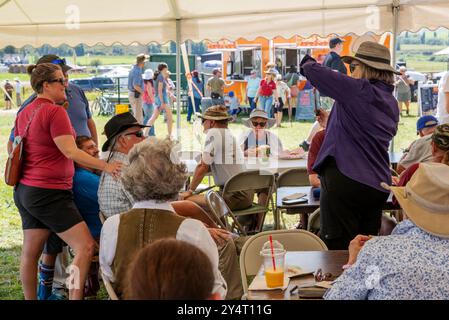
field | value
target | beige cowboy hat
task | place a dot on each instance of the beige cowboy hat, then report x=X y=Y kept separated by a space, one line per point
x=258 y=113
x=218 y=112
x=272 y=71
x=425 y=198
x=374 y=55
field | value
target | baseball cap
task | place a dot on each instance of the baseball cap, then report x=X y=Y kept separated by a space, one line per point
x=426 y=122
x=334 y=41
x=52 y=58
x=142 y=58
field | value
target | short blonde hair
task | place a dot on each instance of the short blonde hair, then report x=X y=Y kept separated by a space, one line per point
x=376 y=74
x=153 y=173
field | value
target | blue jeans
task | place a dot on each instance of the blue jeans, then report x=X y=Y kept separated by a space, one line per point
x=148 y=109
x=190 y=110
x=266 y=103
x=252 y=104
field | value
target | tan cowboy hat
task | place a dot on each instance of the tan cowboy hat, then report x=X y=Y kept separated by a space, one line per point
x=374 y=55
x=425 y=198
x=272 y=71
x=258 y=113
x=218 y=112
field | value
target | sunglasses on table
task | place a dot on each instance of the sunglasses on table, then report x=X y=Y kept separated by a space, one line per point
x=138 y=134
x=259 y=124
x=321 y=276
x=62 y=81
x=352 y=66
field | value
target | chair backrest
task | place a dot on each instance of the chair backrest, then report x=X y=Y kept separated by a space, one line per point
x=219 y=208
x=109 y=288
x=297 y=177
x=313 y=224
x=189 y=155
x=222 y=212
x=249 y=180
x=292 y=240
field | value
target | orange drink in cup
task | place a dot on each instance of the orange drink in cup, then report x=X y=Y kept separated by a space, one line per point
x=273 y=254
x=274 y=278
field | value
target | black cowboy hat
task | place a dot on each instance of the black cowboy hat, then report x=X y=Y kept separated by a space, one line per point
x=118 y=124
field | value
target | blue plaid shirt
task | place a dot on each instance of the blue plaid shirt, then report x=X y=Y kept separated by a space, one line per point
x=410 y=264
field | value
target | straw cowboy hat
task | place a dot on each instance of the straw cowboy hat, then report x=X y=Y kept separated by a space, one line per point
x=425 y=198
x=272 y=71
x=215 y=113
x=258 y=113
x=374 y=55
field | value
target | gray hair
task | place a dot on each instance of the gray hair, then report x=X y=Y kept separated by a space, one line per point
x=152 y=174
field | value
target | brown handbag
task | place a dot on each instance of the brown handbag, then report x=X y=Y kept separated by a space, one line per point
x=13 y=168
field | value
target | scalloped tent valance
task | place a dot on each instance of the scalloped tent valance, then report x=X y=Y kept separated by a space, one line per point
x=31 y=22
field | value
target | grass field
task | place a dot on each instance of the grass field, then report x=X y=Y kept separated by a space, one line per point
x=10 y=223
x=105 y=60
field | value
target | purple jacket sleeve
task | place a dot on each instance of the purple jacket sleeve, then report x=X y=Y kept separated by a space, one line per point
x=331 y=83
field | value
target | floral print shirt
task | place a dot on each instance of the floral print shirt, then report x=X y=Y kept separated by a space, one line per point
x=410 y=264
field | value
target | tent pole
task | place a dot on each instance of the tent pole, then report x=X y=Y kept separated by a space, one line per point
x=178 y=78
x=395 y=8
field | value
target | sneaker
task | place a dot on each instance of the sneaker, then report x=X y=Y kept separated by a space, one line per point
x=58 y=294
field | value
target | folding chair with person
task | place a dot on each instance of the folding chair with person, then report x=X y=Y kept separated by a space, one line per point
x=222 y=214
x=252 y=181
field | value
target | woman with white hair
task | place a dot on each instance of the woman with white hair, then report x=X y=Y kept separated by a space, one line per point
x=154 y=178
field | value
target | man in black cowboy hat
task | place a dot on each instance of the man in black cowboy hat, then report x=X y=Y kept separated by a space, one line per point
x=122 y=132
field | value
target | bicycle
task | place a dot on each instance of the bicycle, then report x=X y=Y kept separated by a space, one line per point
x=103 y=105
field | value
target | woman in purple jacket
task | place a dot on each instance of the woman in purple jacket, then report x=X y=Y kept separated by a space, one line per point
x=353 y=159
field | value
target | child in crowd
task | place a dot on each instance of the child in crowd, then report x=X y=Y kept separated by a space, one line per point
x=234 y=105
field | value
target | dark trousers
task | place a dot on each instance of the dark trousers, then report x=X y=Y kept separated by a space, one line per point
x=190 y=109
x=347 y=207
x=252 y=104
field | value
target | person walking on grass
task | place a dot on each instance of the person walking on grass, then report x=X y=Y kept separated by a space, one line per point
x=162 y=102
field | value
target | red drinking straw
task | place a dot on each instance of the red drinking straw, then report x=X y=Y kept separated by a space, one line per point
x=272 y=252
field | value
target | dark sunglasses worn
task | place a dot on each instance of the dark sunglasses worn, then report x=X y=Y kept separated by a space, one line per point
x=138 y=134
x=260 y=124
x=62 y=81
x=352 y=66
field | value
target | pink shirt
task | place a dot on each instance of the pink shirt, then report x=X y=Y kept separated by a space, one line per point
x=44 y=165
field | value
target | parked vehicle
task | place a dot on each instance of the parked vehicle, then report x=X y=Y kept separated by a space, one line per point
x=89 y=84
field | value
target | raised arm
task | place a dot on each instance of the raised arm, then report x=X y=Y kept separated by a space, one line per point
x=331 y=83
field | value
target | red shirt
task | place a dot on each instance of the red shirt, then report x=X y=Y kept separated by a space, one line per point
x=267 y=88
x=405 y=178
x=315 y=147
x=44 y=166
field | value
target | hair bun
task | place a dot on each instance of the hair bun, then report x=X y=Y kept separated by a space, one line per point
x=30 y=68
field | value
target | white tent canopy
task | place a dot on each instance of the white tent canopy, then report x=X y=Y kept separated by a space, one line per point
x=31 y=22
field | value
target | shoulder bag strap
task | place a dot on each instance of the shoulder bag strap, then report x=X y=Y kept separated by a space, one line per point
x=29 y=121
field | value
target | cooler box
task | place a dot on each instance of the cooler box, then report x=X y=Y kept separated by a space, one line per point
x=121 y=108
